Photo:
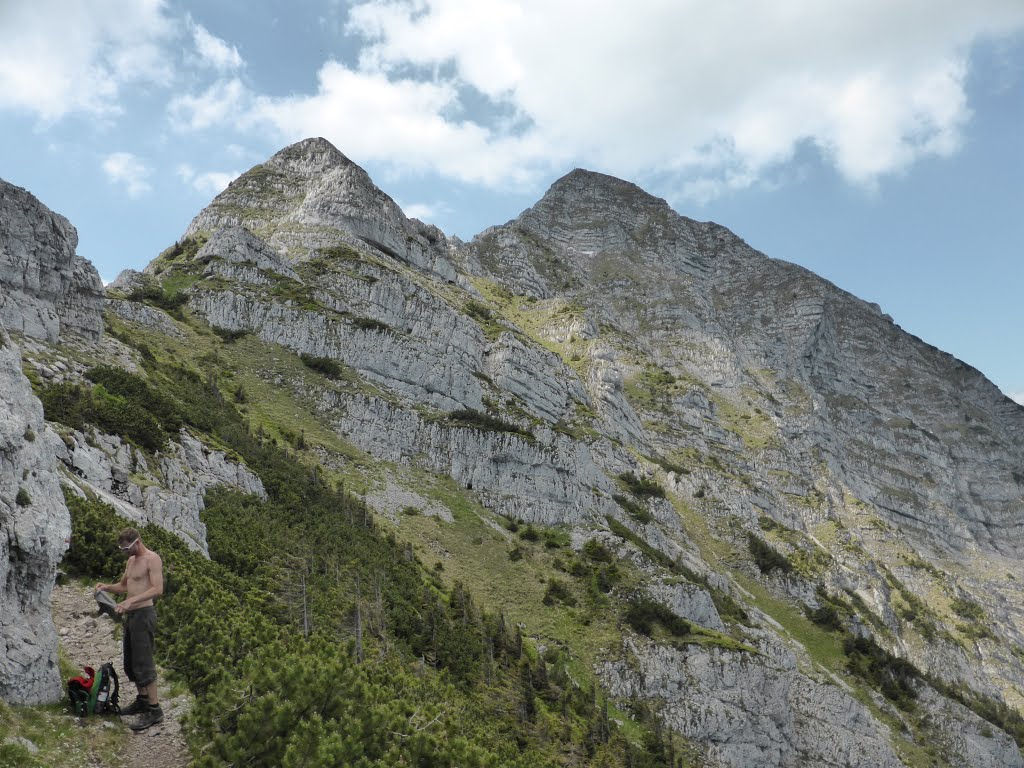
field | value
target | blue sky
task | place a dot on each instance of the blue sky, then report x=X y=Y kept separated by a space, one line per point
x=876 y=142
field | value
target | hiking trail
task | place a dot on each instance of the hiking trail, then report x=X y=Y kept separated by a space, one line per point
x=88 y=638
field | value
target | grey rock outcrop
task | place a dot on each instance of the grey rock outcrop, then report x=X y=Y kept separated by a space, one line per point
x=127 y=282
x=144 y=315
x=166 y=490
x=753 y=711
x=34 y=531
x=687 y=601
x=545 y=478
x=46 y=289
x=237 y=245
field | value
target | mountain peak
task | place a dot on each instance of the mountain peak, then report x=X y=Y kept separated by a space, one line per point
x=312 y=156
x=278 y=186
x=310 y=196
x=580 y=190
x=582 y=177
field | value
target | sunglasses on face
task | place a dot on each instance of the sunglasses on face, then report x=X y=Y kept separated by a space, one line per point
x=129 y=546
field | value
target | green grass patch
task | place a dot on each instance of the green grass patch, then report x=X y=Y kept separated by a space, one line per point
x=751 y=425
x=60 y=739
x=182 y=252
x=325 y=365
x=485 y=318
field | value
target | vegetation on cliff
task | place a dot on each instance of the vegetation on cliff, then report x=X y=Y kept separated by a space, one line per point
x=313 y=637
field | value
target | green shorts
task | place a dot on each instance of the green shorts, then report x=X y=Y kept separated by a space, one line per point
x=139 y=632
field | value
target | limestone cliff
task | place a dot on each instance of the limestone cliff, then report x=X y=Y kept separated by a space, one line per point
x=34 y=531
x=46 y=289
x=48 y=292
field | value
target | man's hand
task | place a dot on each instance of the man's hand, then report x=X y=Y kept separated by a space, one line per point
x=102 y=587
x=122 y=607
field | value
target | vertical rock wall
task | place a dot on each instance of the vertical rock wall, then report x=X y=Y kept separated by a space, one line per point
x=34 y=531
x=46 y=289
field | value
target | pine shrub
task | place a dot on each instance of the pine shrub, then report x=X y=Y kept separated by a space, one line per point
x=766 y=557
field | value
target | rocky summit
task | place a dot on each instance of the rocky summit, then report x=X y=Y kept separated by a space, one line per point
x=820 y=515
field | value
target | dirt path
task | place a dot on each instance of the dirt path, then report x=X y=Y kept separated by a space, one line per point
x=91 y=639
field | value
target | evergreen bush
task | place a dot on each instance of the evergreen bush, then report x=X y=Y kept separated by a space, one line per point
x=324 y=365
x=643 y=613
x=766 y=557
x=637 y=511
x=641 y=486
x=471 y=418
x=558 y=592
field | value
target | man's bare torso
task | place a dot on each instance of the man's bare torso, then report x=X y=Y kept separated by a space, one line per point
x=138 y=573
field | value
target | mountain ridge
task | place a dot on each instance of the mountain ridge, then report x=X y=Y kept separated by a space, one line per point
x=609 y=373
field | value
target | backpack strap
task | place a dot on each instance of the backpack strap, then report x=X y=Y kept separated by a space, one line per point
x=94 y=692
x=112 y=702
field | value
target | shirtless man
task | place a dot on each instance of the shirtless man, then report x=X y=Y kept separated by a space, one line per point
x=143 y=581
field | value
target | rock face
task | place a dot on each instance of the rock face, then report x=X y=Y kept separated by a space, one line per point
x=755 y=713
x=45 y=288
x=881 y=407
x=34 y=531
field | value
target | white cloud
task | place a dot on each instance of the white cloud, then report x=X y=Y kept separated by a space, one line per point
x=426 y=212
x=1017 y=397
x=125 y=168
x=719 y=92
x=421 y=211
x=64 y=56
x=714 y=96
x=208 y=183
x=405 y=121
x=214 y=182
x=223 y=101
x=213 y=51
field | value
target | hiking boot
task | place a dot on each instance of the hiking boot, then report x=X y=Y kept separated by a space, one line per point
x=151 y=716
x=137 y=707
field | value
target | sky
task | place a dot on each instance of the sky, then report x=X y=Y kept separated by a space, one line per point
x=879 y=143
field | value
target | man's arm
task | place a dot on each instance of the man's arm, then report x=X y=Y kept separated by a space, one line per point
x=122 y=586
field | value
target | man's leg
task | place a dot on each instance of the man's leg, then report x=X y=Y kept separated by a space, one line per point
x=141 y=702
x=145 y=668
